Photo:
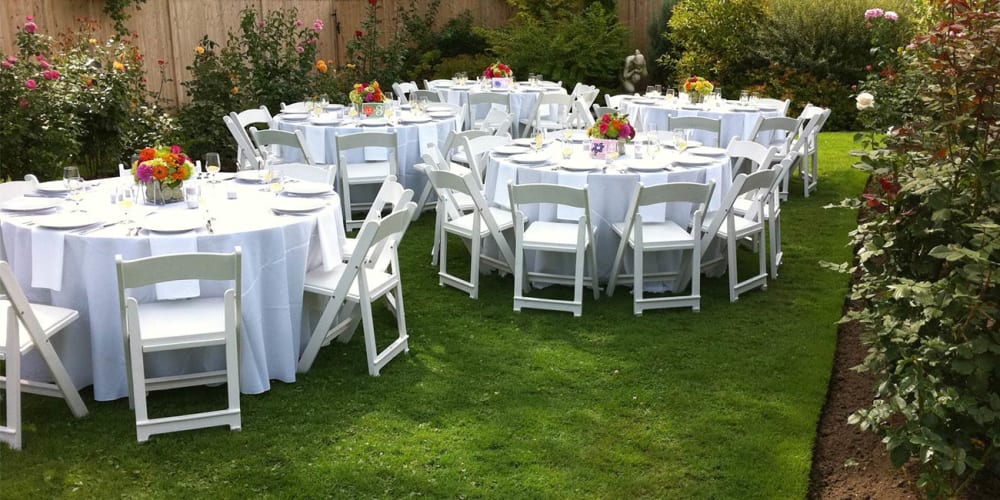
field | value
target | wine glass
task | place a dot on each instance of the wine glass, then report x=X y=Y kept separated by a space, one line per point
x=212 y=165
x=126 y=196
x=275 y=181
x=567 y=134
x=70 y=173
x=654 y=144
x=681 y=139
x=74 y=185
x=538 y=142
x=567 y=151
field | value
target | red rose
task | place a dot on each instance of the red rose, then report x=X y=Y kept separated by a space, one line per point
x=358 y=34
x=373 y=2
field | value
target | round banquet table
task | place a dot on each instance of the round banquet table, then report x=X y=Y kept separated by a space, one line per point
x=652 y=113
x=413 y=133
x=523 y=98
x=75 y=268
x=610 y=189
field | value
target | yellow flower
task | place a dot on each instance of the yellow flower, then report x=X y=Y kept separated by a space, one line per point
x=236 y=90
x=93 y=41
x=199 y=50
x=350 y=66
x=118 y=66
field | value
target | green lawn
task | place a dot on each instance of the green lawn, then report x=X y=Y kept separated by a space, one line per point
x=492 y=403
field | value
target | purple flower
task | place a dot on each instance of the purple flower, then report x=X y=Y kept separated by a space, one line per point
x=144 y=172
x=31 y=84
x=175 y=149
x=318 y=25
x=873 y=13
x=891 y=15
x=30 y=27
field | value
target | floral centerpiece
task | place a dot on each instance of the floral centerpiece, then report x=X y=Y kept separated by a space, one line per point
x=609 y=134
x=369 y=99
x=163 y=170
x=697 y=88
x=499 y=75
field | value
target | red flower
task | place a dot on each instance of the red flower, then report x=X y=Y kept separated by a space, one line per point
x=160 y=62
x=358 y=34
x=373 y=2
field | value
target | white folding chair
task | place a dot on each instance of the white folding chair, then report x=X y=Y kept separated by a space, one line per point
x=429 y=95
x=583 y=98
x=307 y=169
x=252 y=117
x=403 y=89
x=778 y=104
x=28 y=327
x=169 y=325
x=352 y=174
x=484 y=221
x=749 y=156
x=575 y=237
x=724 y=223
x=391 y=196
x=371 y=273
x=475 y=150
x=710 y=125
x=537 y=122
x=813 y=119
x=600 y=111
x=247 y=156
x=497 y=122
x=488 y=100
x=453 y=149
x=746 y=207
x=614 y=101
x=660 y=236
x=460 y=112
x=434 y=160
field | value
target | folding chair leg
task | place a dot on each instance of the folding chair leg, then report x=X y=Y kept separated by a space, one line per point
x=637 y=281
x=731 y=255
x=581 y=257
x=11 y=431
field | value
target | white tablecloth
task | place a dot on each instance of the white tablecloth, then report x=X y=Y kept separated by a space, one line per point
x=413 y=138
x=277 y=251
x=523 y=99
x=610 y=192
x=652 y=113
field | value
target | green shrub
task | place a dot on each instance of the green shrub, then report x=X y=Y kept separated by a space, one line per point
x=588 y=47
x=661 y=47
x=929 y=257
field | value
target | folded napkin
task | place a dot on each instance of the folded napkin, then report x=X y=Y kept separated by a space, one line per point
x=506 y=173
x=330 y=237
x=47 y=251
x=572 y=179
x=316 y=143
x=162 y=244
x=428 y=136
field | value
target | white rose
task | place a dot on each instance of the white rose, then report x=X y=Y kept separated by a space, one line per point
x=865 y=100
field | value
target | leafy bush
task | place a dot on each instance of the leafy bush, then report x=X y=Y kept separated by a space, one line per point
x=371 y=59
x=588 y=47
x=77 y=100
x=661 y=47
x=930 y=256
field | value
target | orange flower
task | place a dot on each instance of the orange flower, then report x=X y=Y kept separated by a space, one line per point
x=160 y=172
x=118 y=66
x=235 y=90
x=147 y=154
x=321 y=66
x=199 y=50
x=179 y=174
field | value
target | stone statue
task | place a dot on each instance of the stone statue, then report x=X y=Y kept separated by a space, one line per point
x=635 y=71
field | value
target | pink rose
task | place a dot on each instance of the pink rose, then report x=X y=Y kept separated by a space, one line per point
x=29 y=18
x=873 y=13
x=51 y=74
x=30 y=27
x=299 y=23
x=261 y=23
x=31 y=84
x=299 y=49
x=891 y=15
x=12 y=59
x=318 y=25
x=175 y=149
x=7 y=64
x=23 y=103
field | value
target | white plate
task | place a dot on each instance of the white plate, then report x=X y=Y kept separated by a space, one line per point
x=644 y=101
x=373 y=122
x=415 y=119
x=68 y=220
x=436 y=109
x=294 y=117
x=52 y=187
x=173 y=221
x=333 y=107
x=692 y=106
x=584 y=166
x=30 y=204
x=294 y=205
x=691 y=144
x=530 y=158
x=325 y=120
x=744 y=108
x=707 y=151
x=646 y=167
x=306 y=188
x=528 y=141
x=692 y=160
x=256 y=176
x=509 y=149
x=441 y=114
x=767 y=108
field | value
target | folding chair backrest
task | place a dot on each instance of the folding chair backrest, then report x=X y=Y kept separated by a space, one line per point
x=430 y=95
x=563 y=103
x=762 y=179
x=311 y=173
x=600 y=111
x=780 y=105
x=247 y=154
x=181 y=266
x=614 y=101
x=497 y=122
x=392 y=194
x=749 y=151
x=284 y=138
x=690 y=192
x=476 y=149
x=523 y=194
x=11 y=290
x=391 y=228
x=771 y=125
x=367 y=139
x=255 y=116
x=713 y=125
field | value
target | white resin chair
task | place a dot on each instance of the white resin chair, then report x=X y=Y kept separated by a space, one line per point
x=488 y=101
x=350 y=288
x=403 y=90
x=711 y=125
x=247 y=156
x=576 y=237
x=307 y=169
x=662 y=236
x=475 y=150
x=538 y=121
x=28 y=327
x=749 y=156
x=429 y=95
x=252 y=117
x=351 y=174
x=391 y=197
x=614 y=101
x=813 y=119
x=482 y=222
x=778 y=104
x=169 y=325
x=434 y=160
x=746 y=207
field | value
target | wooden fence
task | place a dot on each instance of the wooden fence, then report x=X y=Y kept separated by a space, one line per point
x=170 y=29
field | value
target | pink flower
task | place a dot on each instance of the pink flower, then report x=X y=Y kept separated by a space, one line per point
x=318 y=25
x=51 y=74
x=299 y=49
x=43 y=63
x=891 y=15
x=30 y=27
x=31 y=84
x=261 y=23
x=23 y=103
x=175 y=149
x=29 y=18
x=873 y=13
x=144 y=172
x=12 y=59
x=7 y=64
x=312 y=41
x=299 y=23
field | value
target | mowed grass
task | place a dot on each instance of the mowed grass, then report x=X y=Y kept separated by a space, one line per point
x=493 y=403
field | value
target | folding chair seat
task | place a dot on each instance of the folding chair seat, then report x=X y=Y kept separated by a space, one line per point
x=350 y=288
x=480 y=103
x=538 y=121
x=659 y=236
x=710 y=125
x=724 y=223
x=391 y=196
x=28 y=327
x=482 y=222
x=352 y=174
x=558 y=236
x=170 y=325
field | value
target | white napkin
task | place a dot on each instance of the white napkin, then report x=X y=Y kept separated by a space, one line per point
x=329 y=237
x=657 y=212
x=427 y=134
x=572 y=179
x=506 y=173
x=176 y=243
x=316 y=142
x=47 y=247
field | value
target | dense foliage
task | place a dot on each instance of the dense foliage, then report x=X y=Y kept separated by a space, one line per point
x=76 y=100
x=929 y=257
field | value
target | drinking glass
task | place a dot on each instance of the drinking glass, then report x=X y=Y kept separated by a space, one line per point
x=324 y=100
x=567 y=151
x=658 y=88
x=754 y=98
x=650 y=91
x=70 y=173
x=744 y=97
x=670 y=93
x=75 y=187
x=212 y=165
x=654 y=144
x=537 y=143
x=567 y=134
x=275 y=181
x=681 y=139
x=125 y=197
